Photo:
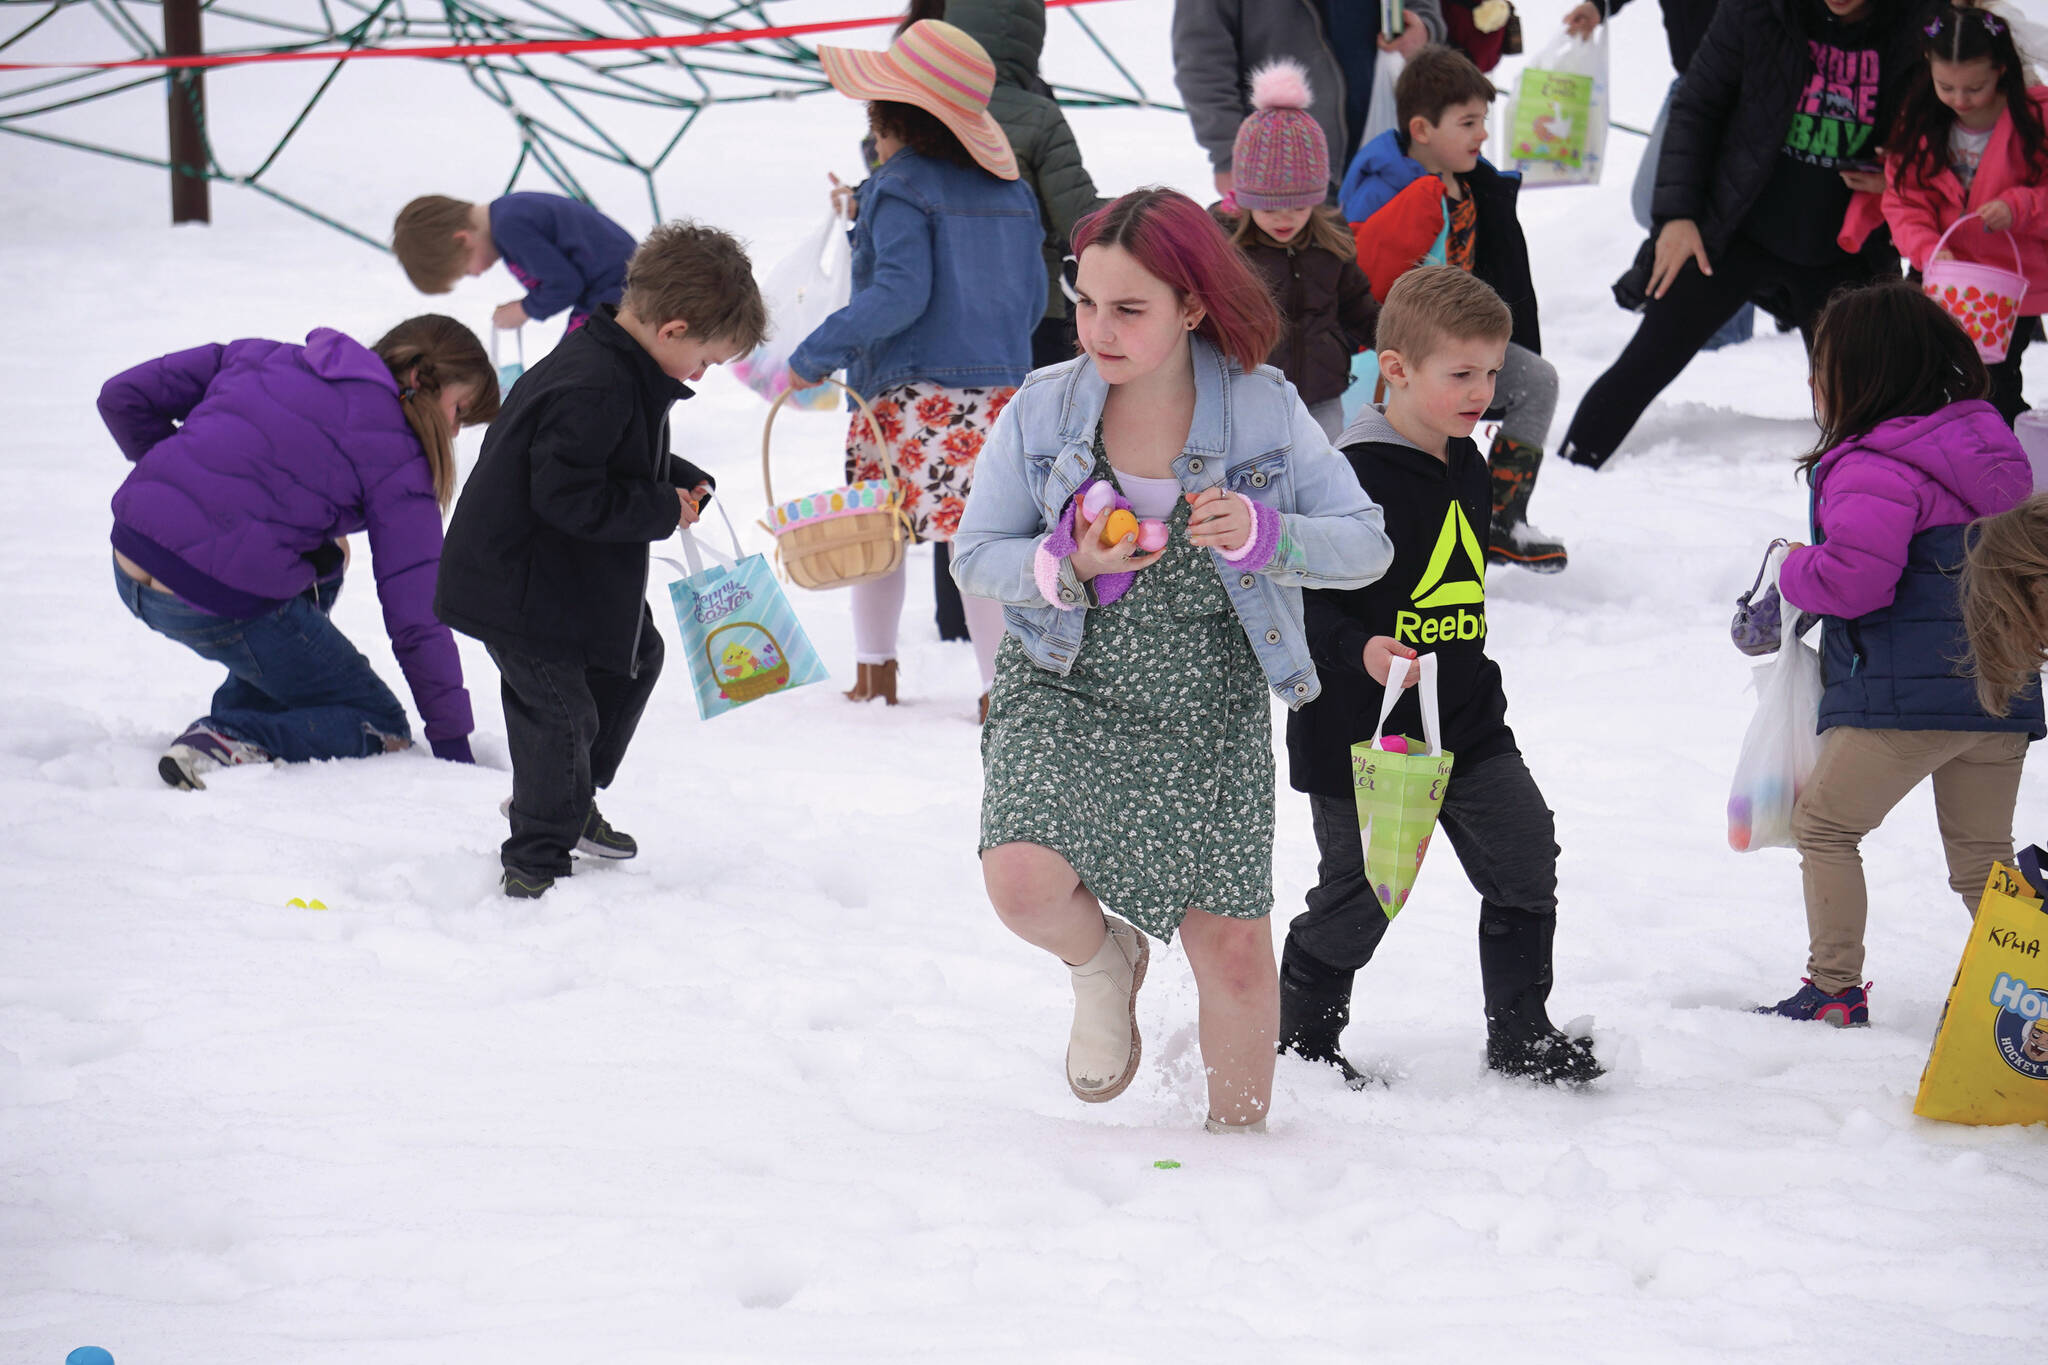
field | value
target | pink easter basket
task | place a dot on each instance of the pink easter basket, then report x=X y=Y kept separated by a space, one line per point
x=1983 y=298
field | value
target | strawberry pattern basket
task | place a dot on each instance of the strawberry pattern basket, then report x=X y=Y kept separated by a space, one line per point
x=1983 y=298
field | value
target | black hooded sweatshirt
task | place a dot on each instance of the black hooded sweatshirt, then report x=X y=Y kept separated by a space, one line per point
x=1432 y=599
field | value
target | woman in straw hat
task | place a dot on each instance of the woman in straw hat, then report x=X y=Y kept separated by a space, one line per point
x=948 y=282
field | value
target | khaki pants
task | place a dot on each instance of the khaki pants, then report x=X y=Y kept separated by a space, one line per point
x=1862 y=774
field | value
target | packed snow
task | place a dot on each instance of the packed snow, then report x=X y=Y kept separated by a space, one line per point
x=783 y=1088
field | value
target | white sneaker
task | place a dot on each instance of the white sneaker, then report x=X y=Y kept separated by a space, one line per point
x=200 y=750
x=1103 y=1050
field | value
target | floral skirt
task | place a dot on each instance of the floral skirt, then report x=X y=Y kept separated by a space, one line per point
x=934 y=433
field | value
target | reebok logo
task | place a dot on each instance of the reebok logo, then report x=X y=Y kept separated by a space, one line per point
x=1439 y=587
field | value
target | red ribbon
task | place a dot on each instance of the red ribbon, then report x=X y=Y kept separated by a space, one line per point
x=347 y=54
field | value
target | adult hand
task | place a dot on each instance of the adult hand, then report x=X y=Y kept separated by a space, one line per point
x=509 y=316
x=1864 y=182
x=1091 y=557
x=1581 y=19
x=1225 y=182
x=843 y=202
x=1380 y=652
x=692 y=500
x=1412 y=39
x=1219 y=521
x=1996 y=216
x=1678 y=243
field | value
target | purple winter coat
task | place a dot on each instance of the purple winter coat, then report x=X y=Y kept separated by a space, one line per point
x=260 y=453
x=1875 y=493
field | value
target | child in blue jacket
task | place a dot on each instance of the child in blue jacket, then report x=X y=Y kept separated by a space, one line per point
x=566 y=253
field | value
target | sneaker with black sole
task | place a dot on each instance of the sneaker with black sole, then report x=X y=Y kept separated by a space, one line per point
x=200 y=750
x=1843 y=1009
x=1551 y=1057
x=525 y=886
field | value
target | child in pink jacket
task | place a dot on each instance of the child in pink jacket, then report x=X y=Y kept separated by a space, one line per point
x=1909 y=456
x=1974 y=139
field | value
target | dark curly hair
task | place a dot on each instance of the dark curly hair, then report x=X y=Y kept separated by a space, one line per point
x=919 y=130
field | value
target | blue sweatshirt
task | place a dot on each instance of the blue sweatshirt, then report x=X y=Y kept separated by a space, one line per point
x=566 y=253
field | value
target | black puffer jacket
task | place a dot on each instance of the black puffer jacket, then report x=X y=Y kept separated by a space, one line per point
x=1731 y=112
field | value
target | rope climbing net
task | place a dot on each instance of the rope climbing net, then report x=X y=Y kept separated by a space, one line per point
x=563 y=105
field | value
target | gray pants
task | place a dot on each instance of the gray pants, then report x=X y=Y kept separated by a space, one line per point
x=1525 y=397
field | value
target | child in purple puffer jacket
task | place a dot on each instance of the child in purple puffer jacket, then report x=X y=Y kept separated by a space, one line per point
x=1910 y=454
x=253 y=461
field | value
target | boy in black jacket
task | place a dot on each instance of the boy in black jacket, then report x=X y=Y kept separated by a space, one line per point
x=1442 y=337
x=546 y=558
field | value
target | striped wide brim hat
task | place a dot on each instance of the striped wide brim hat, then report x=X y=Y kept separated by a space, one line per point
x=942 y=71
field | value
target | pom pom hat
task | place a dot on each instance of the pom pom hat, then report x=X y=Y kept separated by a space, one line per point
x=942 y=71
x=1281 y=159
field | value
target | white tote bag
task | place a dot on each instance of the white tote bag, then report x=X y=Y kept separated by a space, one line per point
x=807 y=286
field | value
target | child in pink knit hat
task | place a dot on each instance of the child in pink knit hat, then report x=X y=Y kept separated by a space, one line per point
x=1300 y=246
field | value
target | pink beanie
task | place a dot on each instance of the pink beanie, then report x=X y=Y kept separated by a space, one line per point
x=1281 y=159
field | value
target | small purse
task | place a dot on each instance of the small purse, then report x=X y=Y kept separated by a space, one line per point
x=1759 y=613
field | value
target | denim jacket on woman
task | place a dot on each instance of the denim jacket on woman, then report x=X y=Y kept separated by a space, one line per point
x=948 y=281
x=1250 y=433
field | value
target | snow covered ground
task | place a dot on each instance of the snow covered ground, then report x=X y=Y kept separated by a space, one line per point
x=783 y=1089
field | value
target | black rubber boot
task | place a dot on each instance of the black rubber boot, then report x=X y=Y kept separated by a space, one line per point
x=1513 y=540
x=1514 y=965
x=1315 y=1005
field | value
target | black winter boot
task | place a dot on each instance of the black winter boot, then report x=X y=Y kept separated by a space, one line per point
x=1315 y=1005
x=1514 y=963
x=1513 y=540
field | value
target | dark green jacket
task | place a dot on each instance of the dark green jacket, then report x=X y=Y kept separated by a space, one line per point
x=1013 y=31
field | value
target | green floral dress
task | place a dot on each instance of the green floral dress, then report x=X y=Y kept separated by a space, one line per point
x=1148 y=767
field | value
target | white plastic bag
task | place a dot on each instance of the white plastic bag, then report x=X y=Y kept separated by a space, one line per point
x=1555 y=132
x=807 y=286
x=1380 y=113
x=1783 y=743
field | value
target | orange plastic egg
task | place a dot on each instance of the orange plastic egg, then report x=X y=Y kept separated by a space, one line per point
x=1117 y=525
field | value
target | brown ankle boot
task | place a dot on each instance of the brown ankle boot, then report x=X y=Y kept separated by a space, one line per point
x=874 y=680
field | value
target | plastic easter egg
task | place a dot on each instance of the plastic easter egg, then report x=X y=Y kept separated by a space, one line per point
x=90 y=1355
x=1738 y=837
x=1394 y=744
x=1117 y=525
x=1098 y=499
x=1152 y=536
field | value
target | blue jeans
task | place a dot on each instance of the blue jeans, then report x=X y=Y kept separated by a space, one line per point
x=296 y=687
x=1742 y=326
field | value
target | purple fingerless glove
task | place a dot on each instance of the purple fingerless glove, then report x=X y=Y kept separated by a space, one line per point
x=1045 y=566
x=1258 y=550
x=453 y=750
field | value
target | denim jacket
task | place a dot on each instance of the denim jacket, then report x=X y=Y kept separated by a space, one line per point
x=948 y=281
x=1250 y=433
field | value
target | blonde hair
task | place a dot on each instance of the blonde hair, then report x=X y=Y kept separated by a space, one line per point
x=423 y=239
x=1433 y=304
x=691 y=273
x=425 y=355
x=2005 y=603
x=1326 y=231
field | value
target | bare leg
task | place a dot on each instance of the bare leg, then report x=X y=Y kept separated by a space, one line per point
x=1239 y=989
x=1040 y=899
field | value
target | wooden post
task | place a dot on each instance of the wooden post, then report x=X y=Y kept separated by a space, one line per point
x=186 y=91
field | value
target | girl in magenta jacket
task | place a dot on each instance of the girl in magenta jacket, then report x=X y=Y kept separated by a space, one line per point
x=1972 y=138
x=1909 y=455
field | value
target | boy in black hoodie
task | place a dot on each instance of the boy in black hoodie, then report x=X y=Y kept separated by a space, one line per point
x=1442 y=335
x=546 y=557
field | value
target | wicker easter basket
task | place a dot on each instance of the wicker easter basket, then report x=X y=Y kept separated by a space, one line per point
x=844 y=535
x=753 y=686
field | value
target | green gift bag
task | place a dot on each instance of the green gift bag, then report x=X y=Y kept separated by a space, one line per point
x=1399 y=793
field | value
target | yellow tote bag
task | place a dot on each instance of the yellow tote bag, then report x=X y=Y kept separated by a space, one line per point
x=1990 y=1058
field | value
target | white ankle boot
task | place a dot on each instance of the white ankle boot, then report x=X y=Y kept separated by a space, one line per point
x=1103 y=1050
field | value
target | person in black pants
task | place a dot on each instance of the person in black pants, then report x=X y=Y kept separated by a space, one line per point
x=546 y=557
x=1778 y=123
x=1442 y=333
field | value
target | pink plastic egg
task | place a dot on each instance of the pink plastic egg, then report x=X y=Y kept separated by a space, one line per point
x=1097 y=501
x=1394 y=744
x=1151 y=536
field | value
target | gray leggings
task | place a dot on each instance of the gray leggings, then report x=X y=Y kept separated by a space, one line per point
x=1526 y=397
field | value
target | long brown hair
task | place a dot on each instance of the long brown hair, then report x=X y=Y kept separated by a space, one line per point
x=2005 y=602
x=1962 y=33
x=1882 y=351
x=425 y=355
x=1326 y=230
